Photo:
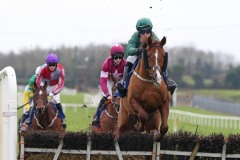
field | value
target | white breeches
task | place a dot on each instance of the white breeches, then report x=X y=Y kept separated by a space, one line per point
x=109 y=86
x=56 y=98
x=131 y=59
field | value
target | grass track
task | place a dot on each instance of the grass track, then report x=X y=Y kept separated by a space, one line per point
x=79 y=119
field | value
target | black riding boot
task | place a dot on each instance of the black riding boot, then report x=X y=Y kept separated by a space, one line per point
x=59 y=107
x=101 y=106
x=121 y=86
x=170 y=84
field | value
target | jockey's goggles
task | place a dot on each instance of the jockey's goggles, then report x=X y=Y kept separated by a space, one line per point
x=117 y=57
x=52 y=64
x=144 y=29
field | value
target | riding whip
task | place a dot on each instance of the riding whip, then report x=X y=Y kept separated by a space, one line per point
x=23 y=105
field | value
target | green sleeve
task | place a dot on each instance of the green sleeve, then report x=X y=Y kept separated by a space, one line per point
x=30 y=85
x=133 y=44
x=32 y=79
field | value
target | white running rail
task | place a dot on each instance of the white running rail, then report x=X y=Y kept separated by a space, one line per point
x=8 y=114
x=227 y=122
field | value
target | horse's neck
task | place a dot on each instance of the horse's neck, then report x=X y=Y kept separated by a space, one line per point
x=112 y=109
x=140 y=69
x=48 y=114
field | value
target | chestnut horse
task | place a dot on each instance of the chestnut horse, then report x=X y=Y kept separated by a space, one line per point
x=146 y=105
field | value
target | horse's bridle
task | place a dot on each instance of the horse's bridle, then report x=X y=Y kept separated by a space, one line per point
x=156 y=68
x=46 y=104
x=116 y=107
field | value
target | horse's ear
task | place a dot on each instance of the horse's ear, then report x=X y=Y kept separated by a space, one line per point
x=163 y=41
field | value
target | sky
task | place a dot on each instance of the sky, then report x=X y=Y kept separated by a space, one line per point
x=208 y=25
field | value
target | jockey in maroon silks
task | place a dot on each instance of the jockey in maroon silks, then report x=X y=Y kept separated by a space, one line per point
x=113 y=66
x=53 y=73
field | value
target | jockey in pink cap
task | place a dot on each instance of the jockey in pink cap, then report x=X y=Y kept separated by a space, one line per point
x=112 y=67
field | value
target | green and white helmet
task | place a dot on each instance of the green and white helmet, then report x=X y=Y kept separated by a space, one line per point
x=144 y=23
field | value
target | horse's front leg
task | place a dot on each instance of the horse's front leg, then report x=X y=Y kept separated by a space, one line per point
x=122 y=121
x=138 y=109
x=164 y=111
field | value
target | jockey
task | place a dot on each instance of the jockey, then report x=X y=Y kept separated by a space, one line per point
x=111 y=71
x=28 y=98
x=144 y=31
x=53 y=73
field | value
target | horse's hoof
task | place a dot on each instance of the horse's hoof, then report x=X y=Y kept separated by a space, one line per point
x=156 y=135
x=157 y=138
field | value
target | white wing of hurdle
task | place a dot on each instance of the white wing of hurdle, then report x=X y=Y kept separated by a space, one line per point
x=8 y=114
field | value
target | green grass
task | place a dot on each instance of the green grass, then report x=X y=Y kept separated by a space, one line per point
x=78 y=98
x=79 y=119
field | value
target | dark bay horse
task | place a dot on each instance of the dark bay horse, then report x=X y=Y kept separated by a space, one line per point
x=146 y=106
x=46 y=114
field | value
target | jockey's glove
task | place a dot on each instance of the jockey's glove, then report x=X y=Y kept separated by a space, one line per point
x=139 y=51
x=50 y=94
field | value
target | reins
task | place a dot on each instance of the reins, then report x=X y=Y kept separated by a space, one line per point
x=45 y=107
x=112 y=105
x=53 y=120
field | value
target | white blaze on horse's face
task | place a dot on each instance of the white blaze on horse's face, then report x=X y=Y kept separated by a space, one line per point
x=40 y=102
x=156 y=68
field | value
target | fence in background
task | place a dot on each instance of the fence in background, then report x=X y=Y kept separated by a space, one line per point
x=227 y=122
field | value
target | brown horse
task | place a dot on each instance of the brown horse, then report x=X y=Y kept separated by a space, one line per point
x=108 y=119
x=46 y=115
x=146 y=105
